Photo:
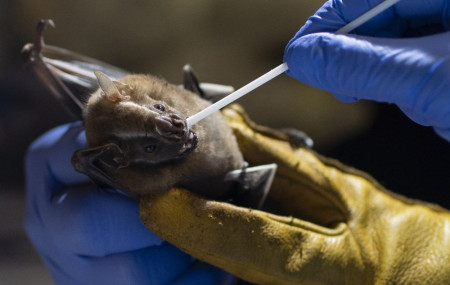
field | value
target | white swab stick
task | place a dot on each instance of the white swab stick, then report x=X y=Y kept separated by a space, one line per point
x=192 y=120
x=367 y=16
x=236 y=94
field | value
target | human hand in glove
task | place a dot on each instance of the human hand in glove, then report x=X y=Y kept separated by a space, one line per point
x=402 y=56
x=340 y=226
x=89 y=236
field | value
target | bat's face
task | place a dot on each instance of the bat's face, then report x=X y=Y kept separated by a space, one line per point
x=160 y=136
x=146 y=130
x=126 y=126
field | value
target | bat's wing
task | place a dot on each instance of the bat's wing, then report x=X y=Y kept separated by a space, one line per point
x=252 y=184
x=69 y=75
x=100 y=164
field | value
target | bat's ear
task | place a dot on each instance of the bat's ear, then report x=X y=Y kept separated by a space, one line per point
x=114 y=90
x=190 y=81
x=209 y=91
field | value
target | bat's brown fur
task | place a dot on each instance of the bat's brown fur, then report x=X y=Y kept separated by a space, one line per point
x=129 y=114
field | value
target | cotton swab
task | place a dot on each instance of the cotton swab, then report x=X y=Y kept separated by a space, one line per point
x=192 y=120
x=283 y=67
x=367 y=16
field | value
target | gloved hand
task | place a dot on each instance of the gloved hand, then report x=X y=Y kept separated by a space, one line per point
x=342 y=228
x=89 y=236
x=380 y=63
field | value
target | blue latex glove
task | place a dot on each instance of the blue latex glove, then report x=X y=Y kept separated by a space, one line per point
x=380 y=63
x=89 y=236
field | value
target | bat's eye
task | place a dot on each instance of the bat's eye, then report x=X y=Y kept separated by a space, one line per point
x=160 y=107
x=150 y=148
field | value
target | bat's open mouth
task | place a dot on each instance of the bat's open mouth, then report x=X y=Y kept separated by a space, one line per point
x=189 y=144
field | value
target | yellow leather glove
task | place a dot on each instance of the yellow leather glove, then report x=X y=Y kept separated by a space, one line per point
x=340 y=227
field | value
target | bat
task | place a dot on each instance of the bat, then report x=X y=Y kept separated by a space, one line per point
x=138 y=140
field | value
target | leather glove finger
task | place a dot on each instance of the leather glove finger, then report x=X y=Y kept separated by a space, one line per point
x=342 y=222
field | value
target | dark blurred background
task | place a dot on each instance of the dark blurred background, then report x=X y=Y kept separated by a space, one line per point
x=226 y=42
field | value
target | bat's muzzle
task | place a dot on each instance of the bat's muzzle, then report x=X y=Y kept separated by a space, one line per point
x=172 y=126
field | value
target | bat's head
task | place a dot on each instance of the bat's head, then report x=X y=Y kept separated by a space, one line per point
x=146 y=130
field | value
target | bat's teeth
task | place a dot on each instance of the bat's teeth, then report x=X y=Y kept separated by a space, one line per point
x=189 y=145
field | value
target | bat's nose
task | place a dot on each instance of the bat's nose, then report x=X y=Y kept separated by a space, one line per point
x=172 y=126
x=178 y=122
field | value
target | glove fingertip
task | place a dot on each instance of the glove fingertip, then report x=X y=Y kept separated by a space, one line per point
x=345 y=98
x=444 y=133
x=312 y=60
